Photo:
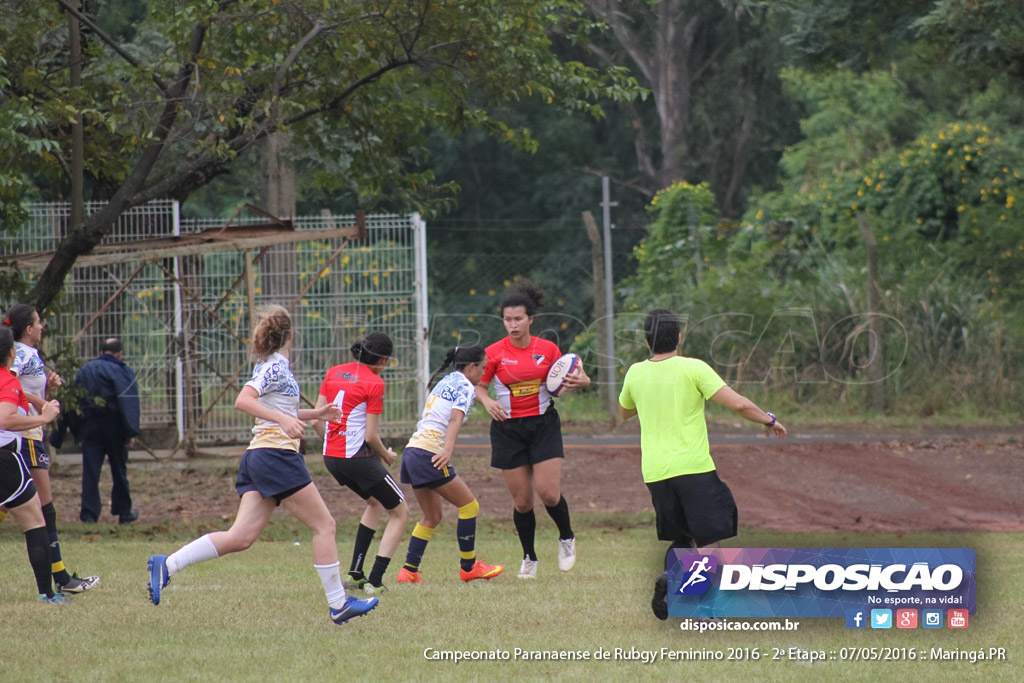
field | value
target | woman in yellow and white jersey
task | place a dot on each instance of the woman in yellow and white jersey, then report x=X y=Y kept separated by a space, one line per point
x=426 y=465
x=272 y=472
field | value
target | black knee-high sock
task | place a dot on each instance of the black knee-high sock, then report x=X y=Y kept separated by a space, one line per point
x=380 y=565
x=669 y=557
x=57 y=568
x=560 y=513
x=38 y=544
x=526 y=527
x=364 y=536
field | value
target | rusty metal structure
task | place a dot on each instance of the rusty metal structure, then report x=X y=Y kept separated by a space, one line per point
x=181 y=294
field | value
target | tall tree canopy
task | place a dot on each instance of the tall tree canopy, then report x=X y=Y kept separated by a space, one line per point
x=712 y=71
x=199 y=81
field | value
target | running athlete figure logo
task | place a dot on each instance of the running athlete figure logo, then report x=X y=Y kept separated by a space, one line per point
x=697 y=570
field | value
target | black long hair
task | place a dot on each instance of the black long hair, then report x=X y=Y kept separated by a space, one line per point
x=460 y=357
x=6 y=343
x=525 y=294
x=372 y=348
x=18 y=318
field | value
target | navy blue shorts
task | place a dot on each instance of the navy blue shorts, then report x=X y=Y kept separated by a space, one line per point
x=16 y=485
x=34 y=454
x=368 y=477
x=272 y=472
x=521 y=441
x=694 y=509
x=421 y=473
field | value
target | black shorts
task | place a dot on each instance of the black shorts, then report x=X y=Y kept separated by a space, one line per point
x=16 y=485
x=521 y=441
x=694 y=508
x=34 y=454
x=368 y=477
x=419 y=471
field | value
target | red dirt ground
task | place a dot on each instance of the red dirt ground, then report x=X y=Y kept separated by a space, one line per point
x=958 y=484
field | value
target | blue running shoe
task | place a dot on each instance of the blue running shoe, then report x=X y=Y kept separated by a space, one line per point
x=352 y=608
x=57 y=599
x=158 y=577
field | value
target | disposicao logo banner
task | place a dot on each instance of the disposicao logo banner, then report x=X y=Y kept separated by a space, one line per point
x=817 y=582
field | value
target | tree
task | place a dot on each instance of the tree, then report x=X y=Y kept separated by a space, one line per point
x=202 y=81
x=711 y=68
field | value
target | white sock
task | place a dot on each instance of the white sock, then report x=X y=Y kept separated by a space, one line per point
x=199 y=550
x=330 y=577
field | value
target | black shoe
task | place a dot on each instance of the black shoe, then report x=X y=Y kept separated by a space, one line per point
x=658 y=603
x=129 y=518
x=88 y=520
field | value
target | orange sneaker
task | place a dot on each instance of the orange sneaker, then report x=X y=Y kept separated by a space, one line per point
x=480 y=571
x=406 y=576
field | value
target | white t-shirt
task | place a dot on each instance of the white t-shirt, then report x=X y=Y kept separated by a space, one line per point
x=274 y=382
x=453 y=392
x=28 y=368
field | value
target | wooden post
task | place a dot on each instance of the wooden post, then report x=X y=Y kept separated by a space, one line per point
x=876 y=345
x=250 y=288
x=597 y=262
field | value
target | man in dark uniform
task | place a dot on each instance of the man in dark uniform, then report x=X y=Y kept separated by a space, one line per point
x=109 y=420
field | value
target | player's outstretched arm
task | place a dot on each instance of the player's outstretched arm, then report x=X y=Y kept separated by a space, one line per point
x=493 y=408
x=745 y=408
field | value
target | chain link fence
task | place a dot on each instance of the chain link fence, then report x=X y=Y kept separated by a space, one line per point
x=185 y=322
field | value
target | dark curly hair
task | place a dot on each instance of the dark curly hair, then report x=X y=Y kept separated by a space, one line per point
x=525 y=294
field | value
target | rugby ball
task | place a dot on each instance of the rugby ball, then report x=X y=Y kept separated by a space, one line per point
x=560 y=369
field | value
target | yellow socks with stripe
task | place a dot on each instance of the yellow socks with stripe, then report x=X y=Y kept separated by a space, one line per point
x=466 y=531
x=421 y=535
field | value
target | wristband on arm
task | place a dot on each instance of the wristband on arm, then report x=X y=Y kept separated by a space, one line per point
x=772 y=416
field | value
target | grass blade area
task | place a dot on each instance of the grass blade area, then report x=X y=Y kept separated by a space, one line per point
x=261 y=614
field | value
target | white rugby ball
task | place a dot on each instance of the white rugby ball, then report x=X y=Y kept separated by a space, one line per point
x=560 y=369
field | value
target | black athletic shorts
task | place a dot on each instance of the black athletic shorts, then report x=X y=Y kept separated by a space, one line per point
x=367 y=476
x=520 y=441
x=694 y=508
x=16 y=485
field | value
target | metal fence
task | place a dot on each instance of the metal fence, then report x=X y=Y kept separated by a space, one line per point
x=187 y=358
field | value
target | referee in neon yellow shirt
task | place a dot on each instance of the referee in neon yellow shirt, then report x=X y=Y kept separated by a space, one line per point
x=667 y=392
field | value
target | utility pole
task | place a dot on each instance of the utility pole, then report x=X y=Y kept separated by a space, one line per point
x=609 y=327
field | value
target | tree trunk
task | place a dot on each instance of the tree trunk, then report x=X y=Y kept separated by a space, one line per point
x=279 y=268
x=597 y=262
x=876 y=345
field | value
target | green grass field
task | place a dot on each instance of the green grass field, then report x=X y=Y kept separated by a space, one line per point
x=261 y=614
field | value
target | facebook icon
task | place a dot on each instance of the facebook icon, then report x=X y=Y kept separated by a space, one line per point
x=855 y=618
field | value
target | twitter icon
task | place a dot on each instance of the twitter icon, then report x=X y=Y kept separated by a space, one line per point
x=881 y=618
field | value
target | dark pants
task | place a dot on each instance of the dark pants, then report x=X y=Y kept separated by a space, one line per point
x=101 y=440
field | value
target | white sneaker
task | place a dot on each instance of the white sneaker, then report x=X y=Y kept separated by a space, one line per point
x=528 y=570
x=566 y=553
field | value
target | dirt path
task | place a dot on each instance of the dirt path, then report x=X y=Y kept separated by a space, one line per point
x=898 y=486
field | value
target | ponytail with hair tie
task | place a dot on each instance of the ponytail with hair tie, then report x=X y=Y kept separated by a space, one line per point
x=459 y=357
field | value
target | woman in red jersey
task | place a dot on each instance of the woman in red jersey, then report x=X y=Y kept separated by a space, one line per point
x=526 y=433
x=17 y=490
x=37 y=381
x=354 y=453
